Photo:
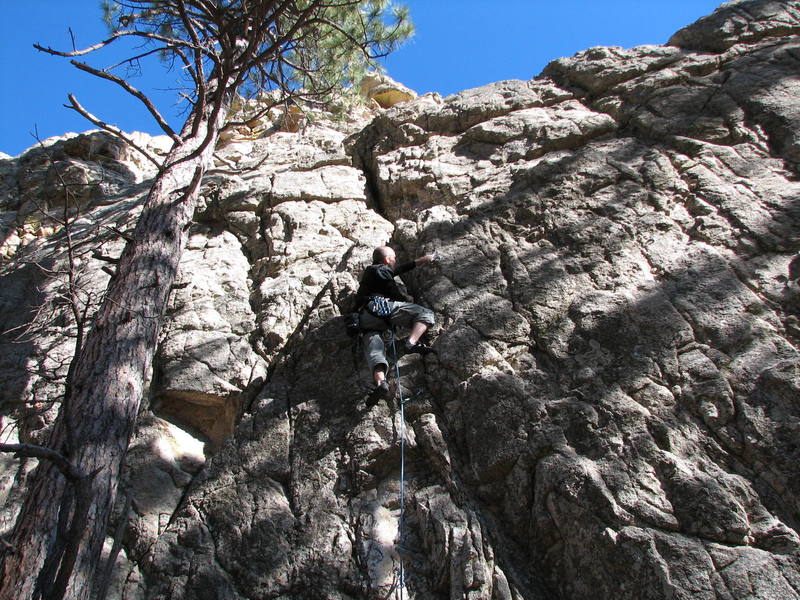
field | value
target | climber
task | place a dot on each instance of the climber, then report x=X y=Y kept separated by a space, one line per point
x=381 y=305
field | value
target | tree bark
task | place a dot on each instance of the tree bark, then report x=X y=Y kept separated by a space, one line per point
x=100 y=409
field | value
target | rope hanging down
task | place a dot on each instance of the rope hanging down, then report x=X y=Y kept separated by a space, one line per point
x=400 y=527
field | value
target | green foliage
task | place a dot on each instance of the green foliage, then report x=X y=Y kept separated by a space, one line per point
x=334 y=49
x=303 y=48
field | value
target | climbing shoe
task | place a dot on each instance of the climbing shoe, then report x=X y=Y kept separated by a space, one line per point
x=418 y=348
x=380 y=391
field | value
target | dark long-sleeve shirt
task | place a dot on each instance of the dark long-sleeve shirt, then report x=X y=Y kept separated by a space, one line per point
x=378 y=280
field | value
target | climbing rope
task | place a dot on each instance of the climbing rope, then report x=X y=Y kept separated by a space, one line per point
x=401 y=528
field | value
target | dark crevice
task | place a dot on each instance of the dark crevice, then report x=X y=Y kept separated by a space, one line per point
x=363 y=159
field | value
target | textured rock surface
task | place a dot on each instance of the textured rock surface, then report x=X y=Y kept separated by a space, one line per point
x=614 y=409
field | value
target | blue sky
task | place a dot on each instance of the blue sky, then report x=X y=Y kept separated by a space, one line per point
x=459 y=44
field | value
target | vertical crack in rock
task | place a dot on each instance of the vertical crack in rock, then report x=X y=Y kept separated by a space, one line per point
x=362 y=157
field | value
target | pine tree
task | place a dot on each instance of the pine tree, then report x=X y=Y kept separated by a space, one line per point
x=298 y=49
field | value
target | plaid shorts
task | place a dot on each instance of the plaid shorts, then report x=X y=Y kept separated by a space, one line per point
x=403 y=314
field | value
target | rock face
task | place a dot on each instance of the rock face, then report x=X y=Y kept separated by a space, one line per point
x=614 y=408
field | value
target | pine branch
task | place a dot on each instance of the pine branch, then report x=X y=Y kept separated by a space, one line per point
x=109 y=128
x=257 y=115
x=236 y=170
x=198 y=71
x=135 y=93
x=169 y=43
x=60 y=461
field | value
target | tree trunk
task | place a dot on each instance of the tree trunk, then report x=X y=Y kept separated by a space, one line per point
x=99 y=413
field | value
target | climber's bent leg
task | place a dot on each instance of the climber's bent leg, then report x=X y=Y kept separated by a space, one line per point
x=375 y=353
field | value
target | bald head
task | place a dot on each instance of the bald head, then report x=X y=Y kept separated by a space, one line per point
x=380 y=253
x=384 y=255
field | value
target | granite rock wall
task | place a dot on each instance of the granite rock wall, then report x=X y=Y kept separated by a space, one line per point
x=612 y=411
